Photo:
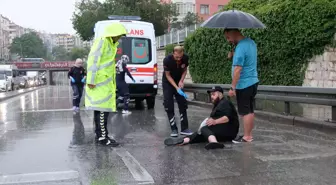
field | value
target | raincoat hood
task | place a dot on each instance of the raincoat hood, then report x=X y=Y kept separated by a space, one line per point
x=114 y=30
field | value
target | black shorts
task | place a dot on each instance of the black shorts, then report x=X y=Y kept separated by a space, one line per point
x=246 y=99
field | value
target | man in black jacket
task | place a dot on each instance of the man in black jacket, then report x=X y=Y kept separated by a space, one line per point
x=175 y=70
x=222 y=125
x=77 y=75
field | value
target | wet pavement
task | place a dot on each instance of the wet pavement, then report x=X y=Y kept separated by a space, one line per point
x=43 y=142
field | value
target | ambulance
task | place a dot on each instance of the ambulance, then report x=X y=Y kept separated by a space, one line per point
x=139 y=46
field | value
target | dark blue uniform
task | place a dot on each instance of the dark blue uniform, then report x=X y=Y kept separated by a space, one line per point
x=122 y=86
x=176 y=69
x=77 y=73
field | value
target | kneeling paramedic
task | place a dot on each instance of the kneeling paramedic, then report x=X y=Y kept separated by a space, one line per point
x=122 y=86
x=175 y=71
x=221 y=125
x=100 y=96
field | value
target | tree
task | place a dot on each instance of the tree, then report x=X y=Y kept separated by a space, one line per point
x=188 y=20
x=88 y=12
x=191 y=19
x=29 y=45
x=59 y=53
x=79 y=53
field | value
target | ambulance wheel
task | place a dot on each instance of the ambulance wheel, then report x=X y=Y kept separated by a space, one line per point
x=150 y=102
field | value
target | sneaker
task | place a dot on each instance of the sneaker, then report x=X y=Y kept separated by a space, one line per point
x=240 y=139
x=77 y=109
x=126 y=112
x=108 y=142
x=74 y=108
x=211 y=146
x=186 y=132
x=174 y=133
x=173 y=141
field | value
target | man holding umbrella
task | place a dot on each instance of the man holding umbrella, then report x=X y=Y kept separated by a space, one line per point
x=244 y=66
x=100 y=96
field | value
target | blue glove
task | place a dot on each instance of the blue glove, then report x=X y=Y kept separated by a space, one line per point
x=72 y=79
x=182 y=93
x=133 y=81
x=83 y=80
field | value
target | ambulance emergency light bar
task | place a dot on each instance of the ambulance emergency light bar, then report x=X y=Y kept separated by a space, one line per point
x=130 y=18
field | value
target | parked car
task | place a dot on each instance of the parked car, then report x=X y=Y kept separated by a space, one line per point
x=4 y=83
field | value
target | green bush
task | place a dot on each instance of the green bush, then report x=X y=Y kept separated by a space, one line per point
x=170 y=48
x=296 y=31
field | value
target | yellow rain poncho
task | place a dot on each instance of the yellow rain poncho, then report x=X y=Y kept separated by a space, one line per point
x=101 y=70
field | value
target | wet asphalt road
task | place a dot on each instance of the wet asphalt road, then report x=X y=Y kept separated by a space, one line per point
x=43 y=142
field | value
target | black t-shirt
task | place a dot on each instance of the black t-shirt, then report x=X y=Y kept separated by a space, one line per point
x=225 y=108
x=77 y=73
x=175 y=68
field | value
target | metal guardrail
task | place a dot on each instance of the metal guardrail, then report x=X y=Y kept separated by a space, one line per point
x=175 y=37
x=287 y=94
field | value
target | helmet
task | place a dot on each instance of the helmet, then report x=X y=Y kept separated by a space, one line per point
x=114 y=30
x=125 y=59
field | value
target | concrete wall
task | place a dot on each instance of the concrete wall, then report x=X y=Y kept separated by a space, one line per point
x=321 y=72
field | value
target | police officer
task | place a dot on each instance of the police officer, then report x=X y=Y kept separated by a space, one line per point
x=122 y=86
x=100 y=96
x=175 y=70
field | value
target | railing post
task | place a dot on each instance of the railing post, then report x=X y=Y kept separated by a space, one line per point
x=164 y=40
x=287 y=108
x=171 y=38
x=178 y=36
x=186 y=32
x=333 y=114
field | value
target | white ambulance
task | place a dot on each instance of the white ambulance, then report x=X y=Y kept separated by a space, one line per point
x=139 y=46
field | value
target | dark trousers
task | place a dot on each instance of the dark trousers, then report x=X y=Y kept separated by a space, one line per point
x=222 y=132
x=169 y=92
x=77 y=94
x=123 y=93
x=100 y=119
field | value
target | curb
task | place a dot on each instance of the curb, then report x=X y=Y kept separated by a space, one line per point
x=20 y=93
x=281 y=119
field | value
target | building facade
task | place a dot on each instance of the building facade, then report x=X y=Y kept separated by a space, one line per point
x=65 y=40
x=206 y=8
x=4 y=38
x=15 y=31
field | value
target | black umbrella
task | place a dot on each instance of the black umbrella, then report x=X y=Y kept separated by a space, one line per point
x=233 y=19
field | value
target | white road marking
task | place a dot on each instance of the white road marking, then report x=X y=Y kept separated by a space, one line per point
x=48 y=110
x=39 y=177
x=139 y=173
x=295 y=156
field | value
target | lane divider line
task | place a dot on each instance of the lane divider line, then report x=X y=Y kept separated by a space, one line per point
x=139 y=173
x=28 y=178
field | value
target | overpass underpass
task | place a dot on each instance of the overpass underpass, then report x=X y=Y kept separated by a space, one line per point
x=53 y=76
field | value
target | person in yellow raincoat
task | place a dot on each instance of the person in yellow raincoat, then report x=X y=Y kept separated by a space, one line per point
x=100 y=95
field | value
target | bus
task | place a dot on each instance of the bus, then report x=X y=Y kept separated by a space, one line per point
x=34 y=60
x=139 y=46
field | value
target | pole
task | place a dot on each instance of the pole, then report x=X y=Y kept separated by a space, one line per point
x=21 y=50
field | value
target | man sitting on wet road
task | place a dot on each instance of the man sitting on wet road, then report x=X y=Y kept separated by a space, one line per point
x=222 y=125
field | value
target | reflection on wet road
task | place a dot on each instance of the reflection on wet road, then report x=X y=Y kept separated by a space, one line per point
x=43 y=142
